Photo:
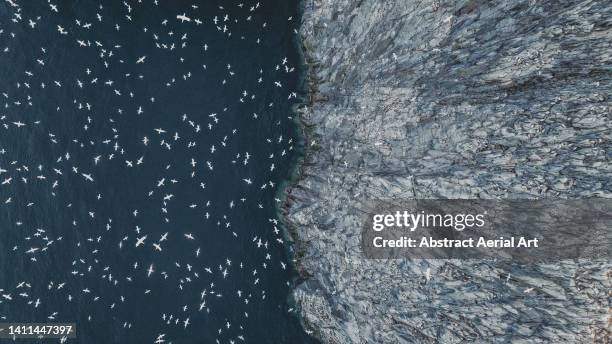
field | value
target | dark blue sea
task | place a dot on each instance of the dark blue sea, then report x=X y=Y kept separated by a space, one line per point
x=142 y=146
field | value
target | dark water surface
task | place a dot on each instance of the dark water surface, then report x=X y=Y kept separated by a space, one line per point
x=79 y=104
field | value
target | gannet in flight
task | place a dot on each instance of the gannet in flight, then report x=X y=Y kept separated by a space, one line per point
x=160 y=338
x=183 y=18
x=141 y=240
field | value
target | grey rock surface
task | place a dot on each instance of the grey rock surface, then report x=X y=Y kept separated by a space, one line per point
x=450 y=99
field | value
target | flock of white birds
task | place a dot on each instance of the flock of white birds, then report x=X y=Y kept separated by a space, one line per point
x=137 y=151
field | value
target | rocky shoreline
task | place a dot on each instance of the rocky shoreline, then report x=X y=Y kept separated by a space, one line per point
x=461 y=99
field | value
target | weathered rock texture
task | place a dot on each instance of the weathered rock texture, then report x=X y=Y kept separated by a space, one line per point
x=451 y=99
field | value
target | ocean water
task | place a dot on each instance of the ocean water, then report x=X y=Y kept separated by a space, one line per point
x=142 y=145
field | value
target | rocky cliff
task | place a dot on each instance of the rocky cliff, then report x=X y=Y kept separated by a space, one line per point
x=450 y=99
